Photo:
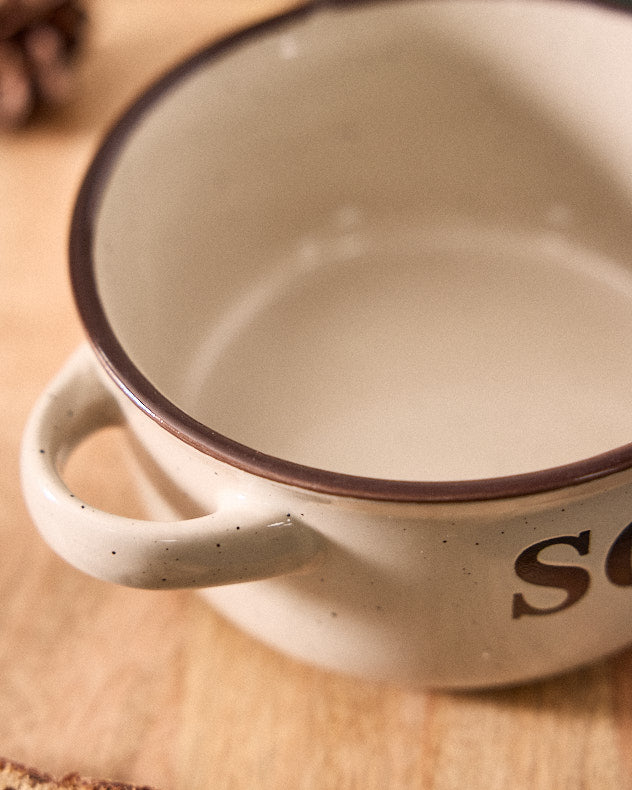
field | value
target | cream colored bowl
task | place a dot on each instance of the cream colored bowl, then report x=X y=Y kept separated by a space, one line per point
x=359 y=282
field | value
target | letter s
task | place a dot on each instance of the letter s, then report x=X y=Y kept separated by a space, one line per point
x=573 y=579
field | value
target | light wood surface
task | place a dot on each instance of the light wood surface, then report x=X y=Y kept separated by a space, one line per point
x=155 y=687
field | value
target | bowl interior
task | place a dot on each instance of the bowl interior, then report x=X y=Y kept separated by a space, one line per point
x=386 y=239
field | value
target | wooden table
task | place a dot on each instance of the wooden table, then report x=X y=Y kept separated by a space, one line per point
x=155 y=687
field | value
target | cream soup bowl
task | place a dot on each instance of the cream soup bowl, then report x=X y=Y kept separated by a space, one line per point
x=358 y=281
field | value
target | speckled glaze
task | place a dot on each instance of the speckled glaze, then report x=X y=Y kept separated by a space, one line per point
x=358 y=283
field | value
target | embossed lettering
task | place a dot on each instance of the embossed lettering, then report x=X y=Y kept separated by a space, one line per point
x=573 y=579
x=619 y=559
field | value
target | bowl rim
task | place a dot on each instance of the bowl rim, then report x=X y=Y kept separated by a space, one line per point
x=139 y=389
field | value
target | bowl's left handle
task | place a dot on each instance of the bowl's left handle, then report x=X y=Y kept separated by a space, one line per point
x=242 y=541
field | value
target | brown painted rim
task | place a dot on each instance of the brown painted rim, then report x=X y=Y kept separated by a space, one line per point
x=144 y=395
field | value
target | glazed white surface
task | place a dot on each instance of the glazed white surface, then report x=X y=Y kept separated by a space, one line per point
x=392 y=254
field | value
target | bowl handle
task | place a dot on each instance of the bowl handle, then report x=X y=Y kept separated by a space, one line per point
x=242 y=541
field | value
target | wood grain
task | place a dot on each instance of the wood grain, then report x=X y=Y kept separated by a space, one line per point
x=155 y=687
